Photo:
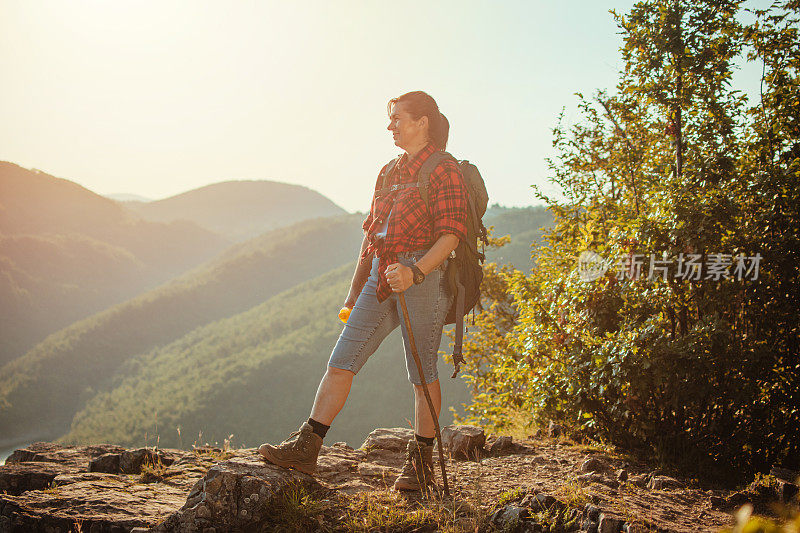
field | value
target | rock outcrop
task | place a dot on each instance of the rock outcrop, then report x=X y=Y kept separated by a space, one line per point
x=518 y=486
x=236 y=495
x=464 y=442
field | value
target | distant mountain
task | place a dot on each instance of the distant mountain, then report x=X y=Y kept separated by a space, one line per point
x=525 y=226
x=254 y=375
x=41 y=391
x=127 y=197
x=240 y=209
x=66 y=252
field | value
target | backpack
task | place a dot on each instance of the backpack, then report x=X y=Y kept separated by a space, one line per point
x=464 y=270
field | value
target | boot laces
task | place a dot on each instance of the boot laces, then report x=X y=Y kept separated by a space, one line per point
x=415 y=465
x=293 y=440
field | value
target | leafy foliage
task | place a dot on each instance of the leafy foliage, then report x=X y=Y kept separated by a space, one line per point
x=676 y=161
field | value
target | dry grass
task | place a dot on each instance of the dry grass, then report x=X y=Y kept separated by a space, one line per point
x=573 y=493
x=155 y=472
x=52 y=489
x=393 y=511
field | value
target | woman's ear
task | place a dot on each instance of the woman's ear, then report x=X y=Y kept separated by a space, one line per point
x=424 y=122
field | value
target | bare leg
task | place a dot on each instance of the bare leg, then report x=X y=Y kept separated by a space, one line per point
x=331 y=395
x=423 y=423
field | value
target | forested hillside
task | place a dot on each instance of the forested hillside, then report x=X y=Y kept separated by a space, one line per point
x=41 y=391
x=66 y=252
x=254 y=375
x=524 y=226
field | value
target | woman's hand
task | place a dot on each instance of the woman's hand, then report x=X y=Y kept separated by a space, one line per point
x=399 y=276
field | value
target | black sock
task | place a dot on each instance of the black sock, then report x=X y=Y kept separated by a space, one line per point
x=319 y=428
x=424 y=440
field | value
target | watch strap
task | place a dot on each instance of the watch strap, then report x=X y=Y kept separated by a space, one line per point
x=419 y=277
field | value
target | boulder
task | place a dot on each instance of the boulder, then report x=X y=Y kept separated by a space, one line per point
x=589 y=477
x=664 y=483
x=240 y=494
x=390 y=439
x=591 y=512
x=464 y=442
x=595 y=464
x=131 y=461
x=16 y=478
x=108 y=463
x=609 y=524
x=76 y=456
x=503 y=445
x=509 y=517
x=545 y=502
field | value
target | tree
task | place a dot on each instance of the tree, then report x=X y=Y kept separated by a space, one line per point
x=673 y=163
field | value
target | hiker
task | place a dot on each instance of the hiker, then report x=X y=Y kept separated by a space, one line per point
x=406 y=246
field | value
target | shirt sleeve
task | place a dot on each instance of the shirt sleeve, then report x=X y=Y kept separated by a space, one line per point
x=448 y=201
x=367 y=221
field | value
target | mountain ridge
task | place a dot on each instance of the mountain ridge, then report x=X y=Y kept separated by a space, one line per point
x=239 y=209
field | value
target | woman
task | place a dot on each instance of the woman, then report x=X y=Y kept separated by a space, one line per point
x=405 y=249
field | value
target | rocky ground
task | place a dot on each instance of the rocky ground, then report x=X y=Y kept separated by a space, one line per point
x=546 y=484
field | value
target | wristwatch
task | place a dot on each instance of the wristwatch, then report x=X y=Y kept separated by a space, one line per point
x=419 y=277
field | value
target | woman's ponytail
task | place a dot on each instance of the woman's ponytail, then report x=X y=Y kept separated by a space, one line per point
x=439 y=131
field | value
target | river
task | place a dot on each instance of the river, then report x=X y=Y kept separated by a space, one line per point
x=5 y=452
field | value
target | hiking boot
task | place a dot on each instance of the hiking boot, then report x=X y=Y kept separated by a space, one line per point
x=417 y=471
x=299 y=451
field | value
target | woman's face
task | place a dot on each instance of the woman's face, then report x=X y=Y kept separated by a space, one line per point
x=406 y=131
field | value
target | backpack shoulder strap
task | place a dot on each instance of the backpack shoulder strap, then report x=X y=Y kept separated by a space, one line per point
x=388 y=169
x=425 y=171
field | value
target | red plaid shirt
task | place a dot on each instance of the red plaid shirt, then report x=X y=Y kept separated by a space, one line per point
x=413 y=225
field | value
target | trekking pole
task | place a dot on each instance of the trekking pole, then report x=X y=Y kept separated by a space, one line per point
x=424 y=388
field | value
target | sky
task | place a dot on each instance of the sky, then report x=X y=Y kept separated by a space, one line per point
x=157 y=97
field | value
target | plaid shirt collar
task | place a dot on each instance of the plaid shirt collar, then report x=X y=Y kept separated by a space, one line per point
x=407 y=169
